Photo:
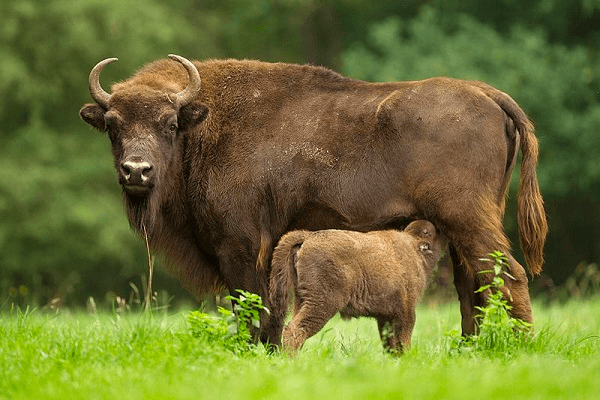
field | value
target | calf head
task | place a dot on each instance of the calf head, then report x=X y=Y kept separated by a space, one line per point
x=430 y=240
x=145 y=121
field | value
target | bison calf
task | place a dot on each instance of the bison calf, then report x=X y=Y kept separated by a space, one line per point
x=380 y=274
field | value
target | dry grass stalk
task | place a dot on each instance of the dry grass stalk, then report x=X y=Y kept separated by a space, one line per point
x=147 y=286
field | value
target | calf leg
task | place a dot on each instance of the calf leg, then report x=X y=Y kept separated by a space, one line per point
x=396 y=332
x=308 y=320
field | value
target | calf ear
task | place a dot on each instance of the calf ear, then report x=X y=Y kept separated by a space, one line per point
x=192 y=115
x=93 y=114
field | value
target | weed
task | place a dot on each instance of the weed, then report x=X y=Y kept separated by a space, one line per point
x=22 y=317
x=498 y=332
x=233 y=329
x=247 y=308
x=207 y=326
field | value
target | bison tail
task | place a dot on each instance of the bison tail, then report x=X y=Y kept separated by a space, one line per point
x=531 y=217
x=283 y=272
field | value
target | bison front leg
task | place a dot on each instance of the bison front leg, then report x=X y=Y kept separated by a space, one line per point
x=239 y=271
x=271 y=327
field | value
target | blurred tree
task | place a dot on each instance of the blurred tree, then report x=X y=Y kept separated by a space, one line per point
x=63 y=230
x=316 y=31
x=558 y=87
x=571 y=22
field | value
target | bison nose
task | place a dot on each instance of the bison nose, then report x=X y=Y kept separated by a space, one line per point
x=136 y=173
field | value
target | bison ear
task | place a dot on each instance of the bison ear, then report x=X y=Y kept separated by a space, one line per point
x=192 y=115
x=93 y=114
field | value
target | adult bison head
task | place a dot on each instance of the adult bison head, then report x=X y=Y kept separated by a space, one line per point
x=145 y=118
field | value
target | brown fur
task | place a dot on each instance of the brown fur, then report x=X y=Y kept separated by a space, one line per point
x=379 y=274
x=268 y=148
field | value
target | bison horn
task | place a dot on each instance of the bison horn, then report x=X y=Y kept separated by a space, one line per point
x=189 y=93
x=98 y=94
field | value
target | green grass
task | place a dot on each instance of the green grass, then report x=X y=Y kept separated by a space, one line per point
x=137 y=356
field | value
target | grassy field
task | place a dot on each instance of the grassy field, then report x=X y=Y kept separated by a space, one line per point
x=137 y=356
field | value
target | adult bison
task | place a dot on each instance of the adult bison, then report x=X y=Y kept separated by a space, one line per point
x=218 y=159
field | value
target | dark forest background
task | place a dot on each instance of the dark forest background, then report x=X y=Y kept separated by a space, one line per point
x=63 y=232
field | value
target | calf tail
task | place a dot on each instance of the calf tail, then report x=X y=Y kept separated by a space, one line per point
x=283 y=272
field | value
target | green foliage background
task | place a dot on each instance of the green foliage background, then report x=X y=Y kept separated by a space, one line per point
x=63 y=232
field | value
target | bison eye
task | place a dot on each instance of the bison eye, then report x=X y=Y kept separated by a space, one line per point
x=173 y=128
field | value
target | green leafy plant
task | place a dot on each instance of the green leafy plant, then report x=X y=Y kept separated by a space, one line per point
x=232 y=329
x=207 y=326
x=498 y=331
x=247 y=308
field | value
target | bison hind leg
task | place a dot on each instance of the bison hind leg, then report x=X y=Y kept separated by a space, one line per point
x=465 y=287
x=517 y=291
x=475 y=230
x=474 y=233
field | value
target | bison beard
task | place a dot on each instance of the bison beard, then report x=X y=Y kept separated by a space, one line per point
x=137 y=211
x=217 y=168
